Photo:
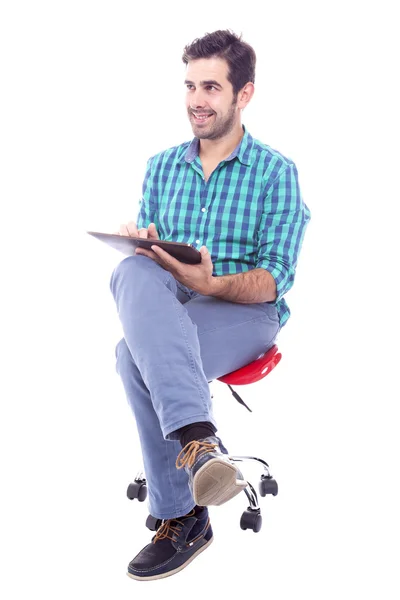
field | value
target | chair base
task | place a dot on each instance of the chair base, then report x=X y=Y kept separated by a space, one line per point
x=251 y=517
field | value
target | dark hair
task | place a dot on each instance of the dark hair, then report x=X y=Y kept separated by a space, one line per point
x=225 y=44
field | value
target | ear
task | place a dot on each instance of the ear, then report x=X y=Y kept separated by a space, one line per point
x=245 y=95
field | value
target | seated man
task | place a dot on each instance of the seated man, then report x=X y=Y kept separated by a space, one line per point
x=185 y=325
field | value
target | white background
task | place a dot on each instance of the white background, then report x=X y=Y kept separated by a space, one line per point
x=89 y=90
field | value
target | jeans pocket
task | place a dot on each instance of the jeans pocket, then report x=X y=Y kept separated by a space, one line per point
x=270 y=310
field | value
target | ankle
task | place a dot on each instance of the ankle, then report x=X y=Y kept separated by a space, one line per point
x=195 y=431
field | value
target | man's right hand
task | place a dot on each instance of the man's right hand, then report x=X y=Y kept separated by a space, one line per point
x=130 y=230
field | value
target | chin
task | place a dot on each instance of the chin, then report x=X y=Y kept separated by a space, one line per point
x=200 y=132
x=202 y=135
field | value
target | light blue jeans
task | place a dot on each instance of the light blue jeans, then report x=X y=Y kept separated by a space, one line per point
x=175 y=342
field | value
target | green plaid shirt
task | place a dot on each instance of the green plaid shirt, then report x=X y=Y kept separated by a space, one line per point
x=249 y=214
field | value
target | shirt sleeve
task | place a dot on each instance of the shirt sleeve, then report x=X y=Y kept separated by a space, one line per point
x=283 y=224
x=147 y=205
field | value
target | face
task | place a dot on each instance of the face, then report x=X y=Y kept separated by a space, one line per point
x=212 y=107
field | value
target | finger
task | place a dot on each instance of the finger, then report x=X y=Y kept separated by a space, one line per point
x=132 y=229
x=166 y=258
x=143 y=233
x=123 y=229
x=205 y=253
x=153 y=234
x=143 y=251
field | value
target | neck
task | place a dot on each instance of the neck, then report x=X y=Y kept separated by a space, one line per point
x=222 y=147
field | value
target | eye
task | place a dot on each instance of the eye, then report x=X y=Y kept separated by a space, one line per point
x=190 y=86
x=211 y=88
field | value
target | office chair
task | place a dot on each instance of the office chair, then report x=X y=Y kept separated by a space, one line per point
x=251 y=517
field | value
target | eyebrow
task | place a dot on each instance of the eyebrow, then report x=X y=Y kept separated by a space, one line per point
x=206 y=82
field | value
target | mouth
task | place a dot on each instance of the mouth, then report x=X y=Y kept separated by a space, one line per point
x=200 y=118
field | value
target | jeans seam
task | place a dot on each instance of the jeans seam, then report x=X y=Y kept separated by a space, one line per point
x=178 y=424
x=180 y=512
x=191 y=360
x=170 y=480
x=183 y=289
x=226 y=327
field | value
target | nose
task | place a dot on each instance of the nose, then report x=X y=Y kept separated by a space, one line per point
x=197 y=98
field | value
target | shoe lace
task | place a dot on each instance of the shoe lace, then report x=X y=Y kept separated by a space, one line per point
x=191 y=452
x=167 y=528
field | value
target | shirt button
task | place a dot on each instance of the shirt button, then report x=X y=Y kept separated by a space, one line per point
x=203 y=210
x=197 y=241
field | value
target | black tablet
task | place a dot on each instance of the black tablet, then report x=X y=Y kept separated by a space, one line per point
x=185 y=253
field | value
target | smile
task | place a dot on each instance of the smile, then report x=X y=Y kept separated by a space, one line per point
x=201 y=118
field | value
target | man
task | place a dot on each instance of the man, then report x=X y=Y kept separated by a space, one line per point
x=185 y=325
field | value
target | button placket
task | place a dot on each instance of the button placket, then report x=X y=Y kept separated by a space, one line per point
x=206 y=193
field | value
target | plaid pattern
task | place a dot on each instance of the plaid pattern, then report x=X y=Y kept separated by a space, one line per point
x=249 y=214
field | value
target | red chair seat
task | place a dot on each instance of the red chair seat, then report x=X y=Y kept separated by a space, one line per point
x=255 y=370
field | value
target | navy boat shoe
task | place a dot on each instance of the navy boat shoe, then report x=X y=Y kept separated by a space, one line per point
x=213 y=477
x=176 y=543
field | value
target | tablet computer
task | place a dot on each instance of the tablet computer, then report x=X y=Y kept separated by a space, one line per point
x=185 y=253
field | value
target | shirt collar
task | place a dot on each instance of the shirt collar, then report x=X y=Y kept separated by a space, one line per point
x=242 y=150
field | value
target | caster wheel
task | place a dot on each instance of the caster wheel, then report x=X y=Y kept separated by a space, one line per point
x=268 y=485
x=251 y=519
x=152 y=523
x=137 y=490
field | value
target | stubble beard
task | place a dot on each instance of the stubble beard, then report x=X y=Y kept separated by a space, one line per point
x=220 y=128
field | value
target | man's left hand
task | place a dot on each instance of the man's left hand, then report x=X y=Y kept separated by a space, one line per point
x=196 y=277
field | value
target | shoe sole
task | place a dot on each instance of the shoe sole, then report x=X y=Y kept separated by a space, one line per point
x=216 y=482
x=168 y=573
